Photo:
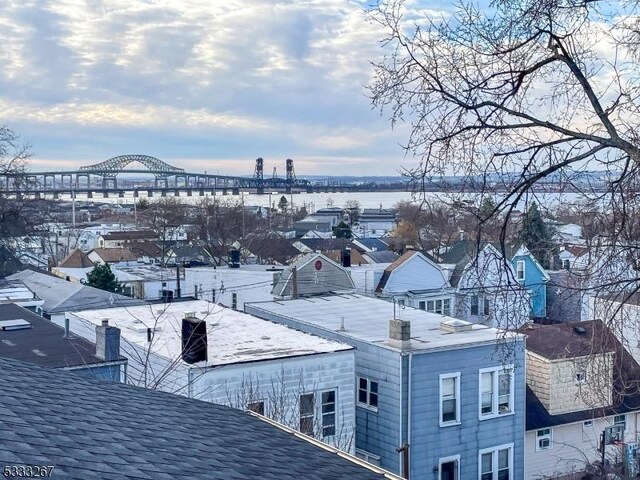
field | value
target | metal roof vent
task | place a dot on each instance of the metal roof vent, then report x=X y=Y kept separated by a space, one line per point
x=17 y=324
x=580 y=330
x=454 y=326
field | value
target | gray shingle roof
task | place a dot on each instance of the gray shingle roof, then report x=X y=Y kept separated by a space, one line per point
x=61 y=296
x=92 y=429
x=43 y=343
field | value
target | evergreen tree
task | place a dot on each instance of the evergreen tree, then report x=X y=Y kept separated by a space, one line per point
x=342 y=230
x=536 y=235
x=283 y=204
x=103 y=278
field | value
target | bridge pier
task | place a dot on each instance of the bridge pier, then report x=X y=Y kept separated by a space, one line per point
x=149 y=193
x=163 y=193
x=224 y=191
x=189 y=193
x=121 y=194
x=105 y=194
x=177 y=193
x=136 y=194
x=235 y=191
x=89 y=194
x=56 y=195
x=201 y=192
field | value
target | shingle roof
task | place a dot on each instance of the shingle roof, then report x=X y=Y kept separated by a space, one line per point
x=92 y=429
x=76 y=259
x=115 y=254
x=43 y=343
x=597 y=339
x=61 y=296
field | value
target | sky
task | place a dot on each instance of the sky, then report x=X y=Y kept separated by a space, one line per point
x=206 y=85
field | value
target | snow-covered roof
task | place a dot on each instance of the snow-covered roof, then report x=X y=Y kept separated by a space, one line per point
x=367 y=319
x=232 y=336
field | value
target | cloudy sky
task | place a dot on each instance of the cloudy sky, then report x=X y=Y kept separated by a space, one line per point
x=202 y=84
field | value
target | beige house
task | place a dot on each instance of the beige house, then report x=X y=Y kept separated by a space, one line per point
x=580 y=381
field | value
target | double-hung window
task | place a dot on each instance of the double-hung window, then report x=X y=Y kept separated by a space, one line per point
x=449 y=399
x=474 y=304
x=449 y=468
x=620 y=420
x=486 y=310
x=367 y=392
x=307 y=411
x=441 y=306
x=328 y=413
x=496 y=391
x=520 y=270
x=496 y=463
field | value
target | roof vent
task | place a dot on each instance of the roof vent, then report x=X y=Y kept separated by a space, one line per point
x=454 y=326
x=17 y=324
x=580 y=330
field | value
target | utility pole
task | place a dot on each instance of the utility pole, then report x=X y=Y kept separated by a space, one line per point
x=178 y=281
x=294 y=281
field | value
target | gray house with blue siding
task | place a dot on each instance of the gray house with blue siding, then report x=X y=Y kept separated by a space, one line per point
x=436 y=397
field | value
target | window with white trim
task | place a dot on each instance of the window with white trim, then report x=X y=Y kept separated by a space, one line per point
x=474 y=304
x=620 y=420
x=496 y=391
x=486 y=310
x=449 y=468
x=449 y=399
x=544 y=439
x=328 y=413
x=440 y=305
x=307 y=410
x=496 y=463
x=367 y=392
x=520 y=270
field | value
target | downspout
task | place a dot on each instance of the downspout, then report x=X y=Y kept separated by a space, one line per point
x=400 y=454
x=409 y=413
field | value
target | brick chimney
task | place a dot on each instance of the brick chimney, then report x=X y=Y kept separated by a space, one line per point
x=107 y=342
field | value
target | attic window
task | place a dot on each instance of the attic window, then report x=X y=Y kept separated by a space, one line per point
x=17 y=324
x=520 y=270
x=581 y=376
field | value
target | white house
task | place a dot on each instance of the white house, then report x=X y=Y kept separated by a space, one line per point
x=416 y=281
x=205 y=351
x=489 y=293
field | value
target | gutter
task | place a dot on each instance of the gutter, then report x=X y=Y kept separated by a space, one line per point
x=347 y=456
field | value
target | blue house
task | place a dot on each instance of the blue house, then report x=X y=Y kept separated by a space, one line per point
x=531 y=275
x=437 y=397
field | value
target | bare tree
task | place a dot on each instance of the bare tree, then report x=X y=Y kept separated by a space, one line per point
x=513 y=95
x=14 y=155
x=166 y=218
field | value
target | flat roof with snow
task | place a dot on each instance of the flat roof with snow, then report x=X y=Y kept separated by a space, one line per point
x=367 y=319
x=232 y=336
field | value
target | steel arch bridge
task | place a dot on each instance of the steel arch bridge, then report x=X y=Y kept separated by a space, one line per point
x=117 y=165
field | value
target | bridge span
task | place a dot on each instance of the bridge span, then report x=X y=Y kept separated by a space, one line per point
x=102 y=178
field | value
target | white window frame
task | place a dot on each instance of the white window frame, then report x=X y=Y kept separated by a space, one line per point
x=443 y=460
x=581 y=376
x=546 y=436
x=367 y=404
x=456 y=377
x=495 y=397
x=324 y=414
x=623 y=417
x=520 y=263
x=494 y=462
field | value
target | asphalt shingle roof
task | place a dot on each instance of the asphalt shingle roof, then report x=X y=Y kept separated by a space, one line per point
x=92 y=429
x=43 y=343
